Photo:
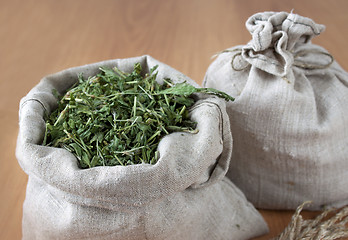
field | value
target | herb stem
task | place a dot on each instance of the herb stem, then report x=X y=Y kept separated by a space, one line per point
x=118 y=118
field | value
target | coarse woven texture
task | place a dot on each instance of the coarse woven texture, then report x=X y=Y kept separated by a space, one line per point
x=290 y=117
x=185 y=195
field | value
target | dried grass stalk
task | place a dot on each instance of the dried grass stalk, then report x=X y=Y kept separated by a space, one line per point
x=319 y=228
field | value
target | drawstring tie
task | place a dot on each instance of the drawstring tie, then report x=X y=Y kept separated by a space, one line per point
x=297 y=62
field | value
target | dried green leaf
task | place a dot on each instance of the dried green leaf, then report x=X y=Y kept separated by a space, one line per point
x=118 y=118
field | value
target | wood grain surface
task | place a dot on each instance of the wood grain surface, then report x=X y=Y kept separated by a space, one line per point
x=45 y=36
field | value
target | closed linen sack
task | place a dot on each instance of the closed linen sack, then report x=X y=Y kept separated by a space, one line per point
x=290 y=117
x=185 y=195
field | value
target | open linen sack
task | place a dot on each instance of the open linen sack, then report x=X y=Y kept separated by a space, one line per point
x=185 y=195
x=290 y=117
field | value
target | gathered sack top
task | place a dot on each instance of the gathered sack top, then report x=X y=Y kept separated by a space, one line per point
x=290 y=117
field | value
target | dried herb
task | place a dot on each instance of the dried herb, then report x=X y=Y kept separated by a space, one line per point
x=118 y=118
x=185 y=89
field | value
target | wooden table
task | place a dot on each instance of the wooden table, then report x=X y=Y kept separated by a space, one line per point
x=44 y=36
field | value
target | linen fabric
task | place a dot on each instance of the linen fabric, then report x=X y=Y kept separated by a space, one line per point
x=185 y=195
x=290 y=117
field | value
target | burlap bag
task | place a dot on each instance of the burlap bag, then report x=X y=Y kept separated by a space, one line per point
x=290 y=117
x=183 y=196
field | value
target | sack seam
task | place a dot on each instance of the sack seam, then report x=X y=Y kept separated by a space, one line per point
x=216 y=165
x=35 y=100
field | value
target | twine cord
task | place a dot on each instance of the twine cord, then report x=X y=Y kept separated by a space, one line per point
x=297 y=62
x=233 y=65
x=305 y=65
